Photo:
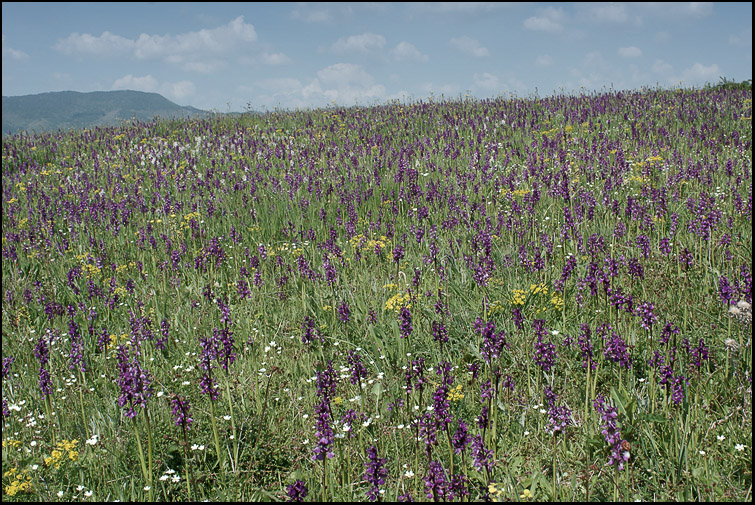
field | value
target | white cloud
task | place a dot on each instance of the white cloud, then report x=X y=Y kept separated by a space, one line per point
x=172 y=90
x=406 y=52
x=401 y=96
x=469 y=46
x=363 y=43
x=145 y=83
x=630 y=52
x=274 y=58
x=544 y=60
x=343 y=83
x=419 y=9
x=698 y=9
x=199 y=51
x=700 y=74
x=311 y=16
x=662 y=68
x=178 y=90
x=203 y=67
x=62 y=77
x=594 y=71
x=311 y=90
x=589 y=80
x=84 y=43
x=594 y=60
x=183 y=46
x=675 y=10
x=610 y=12
x=549 y=20
x=695 y=75
x=345 y=75
x=743 y=38
x=321 y=12
x=486 y=81
x=13 y=54
x=285 y=91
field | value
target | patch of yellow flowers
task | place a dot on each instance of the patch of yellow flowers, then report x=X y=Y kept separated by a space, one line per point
x=455 y=394
x=11 y=443
x=518 y=296
x=517 y=192
x=187 y=219
x=557 y=301
x=21 y=482
x=64 y=447
x=370 y=244
x=538 y=288
x=113 y=341
x=86 y=267
x=494 y=492
x=496 y=306
x=398 y=301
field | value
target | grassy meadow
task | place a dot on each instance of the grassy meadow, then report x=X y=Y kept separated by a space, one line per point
x=514 y=299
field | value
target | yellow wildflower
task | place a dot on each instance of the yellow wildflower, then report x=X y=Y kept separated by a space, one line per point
x=518 y=297
x=455 y=394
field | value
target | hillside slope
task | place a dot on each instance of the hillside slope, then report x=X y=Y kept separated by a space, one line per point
x=65 y=110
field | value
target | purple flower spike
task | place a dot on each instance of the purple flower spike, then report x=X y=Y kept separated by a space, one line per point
x=545 y=352
x=358 y=371
x=460 y=439
x=134 y=381
x=482 y=457
x=297 y=491
x=436 y=483
x=620 y=448
x=181 y=412
x=344 y=313
x=406 y=323
x=375 y=473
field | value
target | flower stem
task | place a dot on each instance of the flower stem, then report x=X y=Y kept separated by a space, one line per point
x=48 y=407
x=187 y=464
x=81 y=401
x=150 y=450
x=141 y=458
x=555 y=488
x=217 y=439
x=233 y=425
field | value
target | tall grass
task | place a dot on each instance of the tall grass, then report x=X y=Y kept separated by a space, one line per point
x=509 y=299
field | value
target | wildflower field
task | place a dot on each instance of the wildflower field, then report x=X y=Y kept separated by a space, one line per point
x=524 y=299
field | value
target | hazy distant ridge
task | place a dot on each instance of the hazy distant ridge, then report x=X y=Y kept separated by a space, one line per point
x=63 y=110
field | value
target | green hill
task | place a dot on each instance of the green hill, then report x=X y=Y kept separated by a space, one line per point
x=63 y=110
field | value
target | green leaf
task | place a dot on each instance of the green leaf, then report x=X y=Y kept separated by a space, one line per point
x=513 y=466
x=621 y=400
x=536 y=477
x=394 y=327
x=652 y=418
x=377 y=389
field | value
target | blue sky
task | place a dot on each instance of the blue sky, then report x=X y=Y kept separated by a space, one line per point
x=227 y=56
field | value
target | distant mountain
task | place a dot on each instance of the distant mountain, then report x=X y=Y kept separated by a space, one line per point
x=63 y=110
